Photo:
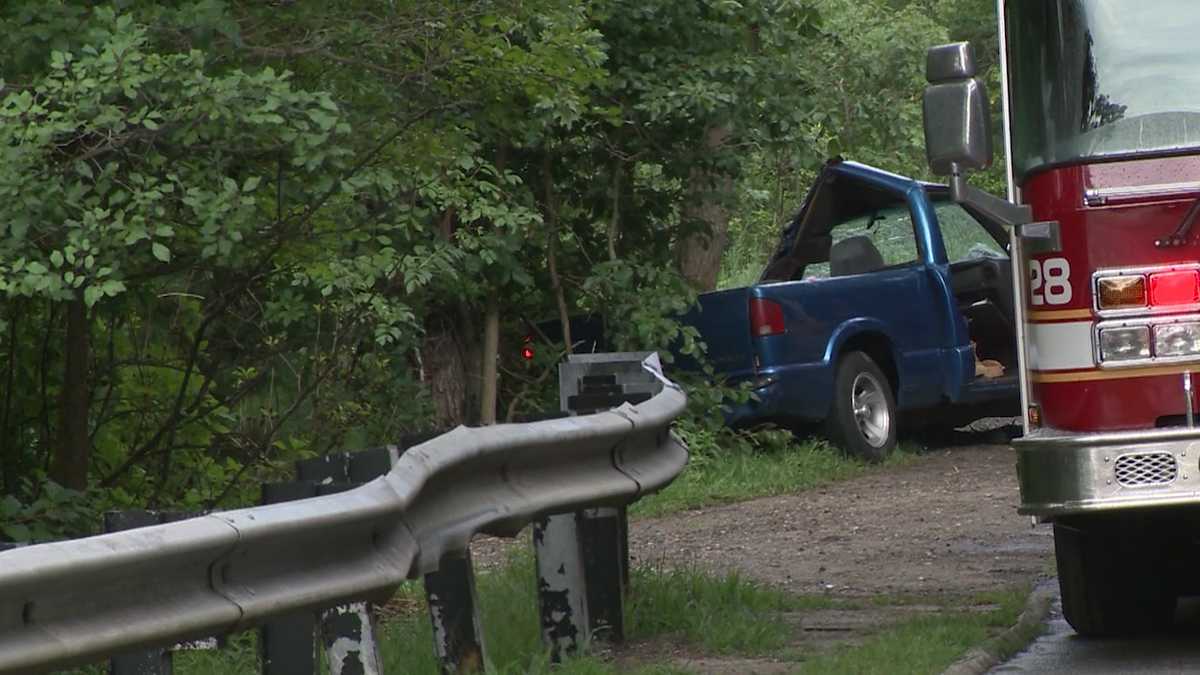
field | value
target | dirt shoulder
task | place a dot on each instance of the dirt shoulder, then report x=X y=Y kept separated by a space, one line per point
x=922 y=537
x=945 y=524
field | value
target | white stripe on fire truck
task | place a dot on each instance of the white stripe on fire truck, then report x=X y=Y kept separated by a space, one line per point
x=1060 y=346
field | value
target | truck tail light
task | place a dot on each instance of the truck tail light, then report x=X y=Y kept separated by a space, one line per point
x=766 y=317
x=1121 y=292
x=1174 y=288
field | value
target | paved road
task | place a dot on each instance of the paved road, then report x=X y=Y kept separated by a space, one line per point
x=1060 y=650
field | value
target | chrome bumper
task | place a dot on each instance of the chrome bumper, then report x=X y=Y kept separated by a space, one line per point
x=1063 y=474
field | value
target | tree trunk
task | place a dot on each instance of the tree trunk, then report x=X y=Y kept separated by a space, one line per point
x=614 y=223
x=491 y=349
x=445 y=372
x=10 y=458
x=699 y=254
x=444 y=366
x=71 y=456
x=46 y=435
x=556 y=287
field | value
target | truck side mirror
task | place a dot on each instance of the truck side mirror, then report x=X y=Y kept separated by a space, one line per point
x=958 y=135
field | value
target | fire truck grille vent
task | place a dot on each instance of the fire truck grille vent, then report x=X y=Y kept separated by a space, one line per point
x=1153 y=468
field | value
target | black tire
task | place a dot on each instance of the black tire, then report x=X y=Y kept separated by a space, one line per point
x=1113 y=578
x=870 y=436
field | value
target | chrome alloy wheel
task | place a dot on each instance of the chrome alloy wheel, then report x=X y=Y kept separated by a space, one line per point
x=870 y=409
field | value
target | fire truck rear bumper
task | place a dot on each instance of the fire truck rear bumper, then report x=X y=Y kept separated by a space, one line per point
x=1063 y=474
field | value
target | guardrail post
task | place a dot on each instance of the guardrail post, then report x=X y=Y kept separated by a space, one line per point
x=583 y=558
x=349 y=632
x=157 y=661
x=600 y=538
x=562 y=594
x=623 y=540
x=285 y=643
x=368 y=465
x=457 y=634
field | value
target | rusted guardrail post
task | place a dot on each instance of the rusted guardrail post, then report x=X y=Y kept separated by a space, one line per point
x=285 y=643
x=160 y=660
x=457 y=634
x=561 y=585
x=348 y=631
x=351 y=648
x=583 y=557
x=154 y=661
x=600 y=535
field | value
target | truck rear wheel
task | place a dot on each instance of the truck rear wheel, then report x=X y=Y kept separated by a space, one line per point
x=1112 y=579
x=862 y=420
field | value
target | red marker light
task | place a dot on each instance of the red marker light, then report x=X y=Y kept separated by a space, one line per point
x=527 y=348
x=1174 y=288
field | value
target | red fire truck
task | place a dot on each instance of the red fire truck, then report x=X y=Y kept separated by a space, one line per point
x=1102 y=134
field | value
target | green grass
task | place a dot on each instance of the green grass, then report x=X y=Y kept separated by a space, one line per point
x=738 y=472
x=712 y=615
x=926 y=644
x=719 y=614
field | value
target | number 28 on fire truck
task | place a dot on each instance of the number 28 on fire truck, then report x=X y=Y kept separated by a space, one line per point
x=1101 y=102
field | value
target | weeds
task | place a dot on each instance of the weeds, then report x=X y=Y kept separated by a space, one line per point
x=727 y=466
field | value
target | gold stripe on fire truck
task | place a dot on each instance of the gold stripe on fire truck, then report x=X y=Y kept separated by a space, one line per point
x=1043 y=376
x=1060 y=315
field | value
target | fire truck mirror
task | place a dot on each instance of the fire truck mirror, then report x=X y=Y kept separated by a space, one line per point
x=958 y=135
x=945 y=63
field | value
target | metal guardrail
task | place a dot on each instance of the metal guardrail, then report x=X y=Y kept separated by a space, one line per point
x=77 y=601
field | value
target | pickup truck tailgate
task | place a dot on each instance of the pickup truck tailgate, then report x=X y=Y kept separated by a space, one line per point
x=723 y=319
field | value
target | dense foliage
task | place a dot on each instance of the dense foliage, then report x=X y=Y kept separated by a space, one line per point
x=234 y=234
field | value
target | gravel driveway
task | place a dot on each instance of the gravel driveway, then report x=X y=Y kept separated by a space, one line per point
x=945 y=523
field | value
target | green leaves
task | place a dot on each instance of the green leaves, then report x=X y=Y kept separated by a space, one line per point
x=161 y=252
x=55 y=513
x=318 y=207
x=151 y=139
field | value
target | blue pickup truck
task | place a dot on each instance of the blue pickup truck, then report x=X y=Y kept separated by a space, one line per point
x=883 y=299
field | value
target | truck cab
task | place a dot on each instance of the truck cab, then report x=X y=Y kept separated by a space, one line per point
x=880 y=302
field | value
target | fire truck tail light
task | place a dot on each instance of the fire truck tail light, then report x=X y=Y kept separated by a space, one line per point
x=1175 y=288
x=1122 y=344
x=1177 y=339
x=1121 y=292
